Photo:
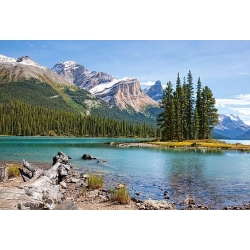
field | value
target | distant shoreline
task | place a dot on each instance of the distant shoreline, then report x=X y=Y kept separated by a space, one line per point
x=202 y=145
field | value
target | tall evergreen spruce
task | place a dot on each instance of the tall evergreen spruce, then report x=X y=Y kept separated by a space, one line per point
x=185 y=111
x=196 y=125
x=166 y=118
x=178 y=96
x=210 y=116
x=198 y=108
x=190 y=101
x=183 y=118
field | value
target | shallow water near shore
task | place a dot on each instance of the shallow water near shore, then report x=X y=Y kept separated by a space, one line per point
x=213 y=178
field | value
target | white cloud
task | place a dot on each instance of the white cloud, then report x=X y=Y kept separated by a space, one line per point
x=244 y=111
x=244 y=97
x=240 y=104
x=148 y=83
x=238 y=100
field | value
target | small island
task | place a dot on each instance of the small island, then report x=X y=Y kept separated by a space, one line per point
x=210 y=144
x=203 y=145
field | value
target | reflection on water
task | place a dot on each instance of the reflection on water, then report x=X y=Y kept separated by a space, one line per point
x=213 y=178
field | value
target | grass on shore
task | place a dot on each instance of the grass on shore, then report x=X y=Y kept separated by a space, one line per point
x=13 y=171
x=210 y=143
x=95 y=181
x=121 y=195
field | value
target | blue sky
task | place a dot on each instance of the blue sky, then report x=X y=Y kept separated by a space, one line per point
x=223 y=65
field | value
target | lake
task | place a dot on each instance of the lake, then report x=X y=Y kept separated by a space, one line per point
x=213 y=178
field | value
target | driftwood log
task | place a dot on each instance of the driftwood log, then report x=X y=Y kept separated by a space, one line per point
x=41 y=189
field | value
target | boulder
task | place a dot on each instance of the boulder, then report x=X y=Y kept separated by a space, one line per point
x=155 y=205
x=189 y=201
x=119 y=186
x=88 y=157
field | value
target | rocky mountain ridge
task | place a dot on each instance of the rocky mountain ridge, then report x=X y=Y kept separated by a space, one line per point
x=80 y=76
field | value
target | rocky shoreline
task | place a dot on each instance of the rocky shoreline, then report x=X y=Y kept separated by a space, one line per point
x=77 y=197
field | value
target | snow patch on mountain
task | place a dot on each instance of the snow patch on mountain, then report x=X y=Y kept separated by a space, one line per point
x=105 y=87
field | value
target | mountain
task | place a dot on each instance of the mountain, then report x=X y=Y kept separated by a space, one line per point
x=80 y=76
x=125 y=93
x=24 y=68
x=245 y=136
x=230 y=126
x=25 y=80
x=155 y=91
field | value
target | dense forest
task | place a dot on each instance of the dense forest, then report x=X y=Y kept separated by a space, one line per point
x=24 y=119
x=31 y=107
x=184 y=115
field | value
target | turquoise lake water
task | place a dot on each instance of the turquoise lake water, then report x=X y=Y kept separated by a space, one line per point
x=215 y=179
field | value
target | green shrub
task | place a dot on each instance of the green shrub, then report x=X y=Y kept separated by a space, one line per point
x=95 y=182
x=13 y=171
x=121 y=195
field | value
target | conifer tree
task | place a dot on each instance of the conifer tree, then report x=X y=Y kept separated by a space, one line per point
x=185 y=111
x=198 y=107
x=165 y=119
x=196 y=125
x=178 y=96
x=184 y=118
x=190 y=102
x=210 y=116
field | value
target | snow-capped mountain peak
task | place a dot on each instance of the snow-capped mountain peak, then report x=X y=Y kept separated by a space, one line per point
x=27 y=61
x=69 y=64
x=230 y=120
x=24 y=60
x=231 y=126
x=4 y=59
x=80 y=76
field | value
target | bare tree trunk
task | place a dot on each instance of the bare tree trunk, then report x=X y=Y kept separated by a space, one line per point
x=3 y=173
x=42 y=191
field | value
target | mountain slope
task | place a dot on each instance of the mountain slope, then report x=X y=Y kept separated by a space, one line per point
x=245 y=136
x=230 y=126
x=25 y=68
